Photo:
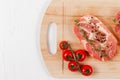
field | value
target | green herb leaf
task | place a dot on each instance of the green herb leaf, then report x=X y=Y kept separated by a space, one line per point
x=103 y=53
x=91 y=42
x=78 y=24
x=114 y=20
x=98 y=49
x=76 y=21
x=84 y=34
x=87 y=39
x=82 y=31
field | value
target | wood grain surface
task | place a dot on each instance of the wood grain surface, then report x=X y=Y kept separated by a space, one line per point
x=63 y=13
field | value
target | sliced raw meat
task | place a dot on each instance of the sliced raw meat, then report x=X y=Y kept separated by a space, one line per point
x=95 y=37
x=117 y=24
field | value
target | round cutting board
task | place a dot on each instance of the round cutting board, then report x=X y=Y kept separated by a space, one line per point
x=63 y=13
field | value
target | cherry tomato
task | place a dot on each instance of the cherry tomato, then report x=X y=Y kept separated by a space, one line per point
x=67 y=55
x=63 y=45
x=72 y=66
x=80 y=55
x=86 y=70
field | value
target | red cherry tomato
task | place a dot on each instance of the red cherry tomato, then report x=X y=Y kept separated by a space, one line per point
x=67 y=55
x=86 y=70
x=63 y=45
x=73 y=66
x=80 y=55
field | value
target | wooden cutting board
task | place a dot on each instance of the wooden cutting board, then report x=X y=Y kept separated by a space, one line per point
x=63 y=13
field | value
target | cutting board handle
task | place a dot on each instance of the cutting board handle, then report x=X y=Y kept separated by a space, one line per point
x=54 y=63
x=52 y=37
x=44 y=33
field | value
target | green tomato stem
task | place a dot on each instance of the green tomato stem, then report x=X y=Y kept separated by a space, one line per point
x=74 y=58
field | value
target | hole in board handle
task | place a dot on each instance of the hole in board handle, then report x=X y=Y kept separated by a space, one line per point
x=52 y=38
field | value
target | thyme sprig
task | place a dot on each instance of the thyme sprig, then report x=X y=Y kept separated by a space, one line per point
x=99 y=49
x=77 y=22
x=84 y=34
x=114 y=20
x=117 y=22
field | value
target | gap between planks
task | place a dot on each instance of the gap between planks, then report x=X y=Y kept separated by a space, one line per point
x=62 y=34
